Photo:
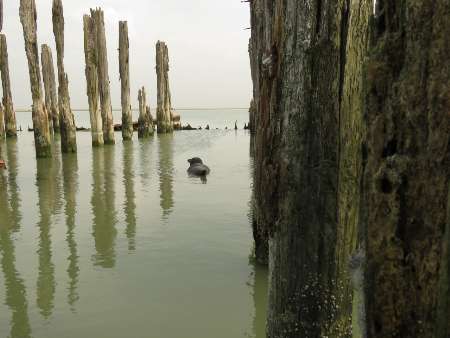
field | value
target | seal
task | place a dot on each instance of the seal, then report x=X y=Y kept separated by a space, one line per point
x=197 y=168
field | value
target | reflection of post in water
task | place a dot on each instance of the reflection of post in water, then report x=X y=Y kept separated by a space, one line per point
x=14 y=286
x=70 y=178
x=11 y=152
x=145 y=148
x=166 y=172
x=10 y=222
x=260 y=286
x=103 y=209
x=129 y=207
x=56 y=174
x=46 y=277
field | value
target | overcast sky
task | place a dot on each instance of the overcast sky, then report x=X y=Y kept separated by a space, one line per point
x=208 y=49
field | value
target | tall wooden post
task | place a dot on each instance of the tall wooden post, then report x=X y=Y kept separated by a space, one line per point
x=127 y=119
x=67 y=121
x=1 y=15
x=10 y=115
x=406 y=190
x=92 y=80
x=28 y=17
x=163 y=113
x=145 y=128
x=48 y=75
x=103 y=77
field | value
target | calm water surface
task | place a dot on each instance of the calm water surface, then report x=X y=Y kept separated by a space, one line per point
x=119 y=242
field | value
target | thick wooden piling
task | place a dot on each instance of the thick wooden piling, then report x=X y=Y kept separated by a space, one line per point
x=9 y=113
x=103 y=77
x=145 y=124
x=124 y=68
x=28 y=17
x=405 y=208
x=67 y=121
x=48 y=75
x=92 y=80
x=163 y=112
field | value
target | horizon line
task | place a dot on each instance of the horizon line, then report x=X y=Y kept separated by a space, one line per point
x=23 y=110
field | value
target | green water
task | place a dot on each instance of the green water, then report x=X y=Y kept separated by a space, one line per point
x=119 y=242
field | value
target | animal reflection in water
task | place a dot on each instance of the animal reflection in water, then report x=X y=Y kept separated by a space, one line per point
x=198 y=169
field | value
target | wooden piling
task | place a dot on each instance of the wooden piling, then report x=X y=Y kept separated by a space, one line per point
x=28 y=17
x=150 y=119
x=124 y=56
x=252 y=116
x=163 y=113
x=1 y=15
x=9 y=113
x=103 y=77
x=92 y=80
x=48 y=75
x=2 y=126
x=145 y=125
x=67 y=121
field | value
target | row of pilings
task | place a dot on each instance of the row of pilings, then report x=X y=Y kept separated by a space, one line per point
x=51 y=109
x=351 y=147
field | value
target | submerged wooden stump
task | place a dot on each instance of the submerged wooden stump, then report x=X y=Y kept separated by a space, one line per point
x=48 y=75
x=145 y=125
x=103 y=77
x=176 y=120
x=67 y=121
x=92 y=81
x=163 y=112
x=9 y=113
x=124 y=68
x=28 y=17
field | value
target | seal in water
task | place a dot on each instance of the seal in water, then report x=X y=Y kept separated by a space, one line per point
x=197 y=168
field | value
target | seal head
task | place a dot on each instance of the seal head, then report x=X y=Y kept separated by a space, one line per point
x=197 y=168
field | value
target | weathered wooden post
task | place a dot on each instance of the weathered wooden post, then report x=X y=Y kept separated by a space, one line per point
x=2 y=126
x=9 y=113
x=124 y=68
x=406 y=204
x=40 y=120
x=176 y=120
x=48 y=75
x=67 y=121
x=1 y=15
x=308 y=161
x=252 y=116
x=163 y=112
x=145 y=125
x=150 y=119
x=103 y=77
x=92 y=80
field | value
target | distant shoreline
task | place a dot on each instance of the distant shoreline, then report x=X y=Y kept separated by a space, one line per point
x=135 y=109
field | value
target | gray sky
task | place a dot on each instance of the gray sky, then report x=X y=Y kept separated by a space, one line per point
x=208 y=49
